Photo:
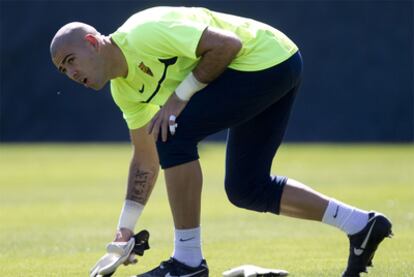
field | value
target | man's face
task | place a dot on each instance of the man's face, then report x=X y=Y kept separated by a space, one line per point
x=82 y=63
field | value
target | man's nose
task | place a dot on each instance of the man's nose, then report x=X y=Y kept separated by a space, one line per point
x=73 y=74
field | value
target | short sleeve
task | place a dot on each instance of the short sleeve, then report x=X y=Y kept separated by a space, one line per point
x=136 y=114
x=169 y=38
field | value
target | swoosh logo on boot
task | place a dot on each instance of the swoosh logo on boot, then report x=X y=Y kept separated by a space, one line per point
x=359 y=251
x=187 y=275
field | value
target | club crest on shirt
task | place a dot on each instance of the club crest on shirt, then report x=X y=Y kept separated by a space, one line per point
x=145 y=69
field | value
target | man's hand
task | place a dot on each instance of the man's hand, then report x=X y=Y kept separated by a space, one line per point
x=124 y=235
x=119 y=252
x=164 y=120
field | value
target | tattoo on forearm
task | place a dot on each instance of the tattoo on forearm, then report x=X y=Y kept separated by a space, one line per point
x=140 y=185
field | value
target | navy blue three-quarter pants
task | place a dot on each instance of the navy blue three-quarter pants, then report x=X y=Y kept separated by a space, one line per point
x=255 y=106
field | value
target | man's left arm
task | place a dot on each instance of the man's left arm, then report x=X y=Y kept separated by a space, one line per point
x=217 y=49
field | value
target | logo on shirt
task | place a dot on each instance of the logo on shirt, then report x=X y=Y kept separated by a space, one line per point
x=145 y=69
x=142 y=89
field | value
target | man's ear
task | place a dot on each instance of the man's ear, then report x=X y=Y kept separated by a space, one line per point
x=92 y=40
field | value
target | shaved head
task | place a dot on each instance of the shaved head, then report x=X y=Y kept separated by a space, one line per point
x=74 y=51
x=80 y=52
x=71 y=34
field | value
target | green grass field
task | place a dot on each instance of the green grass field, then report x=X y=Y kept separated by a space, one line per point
x=59 y=206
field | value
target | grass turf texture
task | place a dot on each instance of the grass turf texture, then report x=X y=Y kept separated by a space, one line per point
x=59 y=206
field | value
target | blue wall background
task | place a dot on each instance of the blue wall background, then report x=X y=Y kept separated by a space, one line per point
x=358 y=55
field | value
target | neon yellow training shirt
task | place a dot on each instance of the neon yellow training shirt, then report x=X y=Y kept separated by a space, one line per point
x=160 y=44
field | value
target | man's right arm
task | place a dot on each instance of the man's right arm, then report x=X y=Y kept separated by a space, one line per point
x=143 y=173
x=144 y=167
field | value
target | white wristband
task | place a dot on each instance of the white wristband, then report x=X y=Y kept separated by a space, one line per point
x=188 y=87
x=130 y=214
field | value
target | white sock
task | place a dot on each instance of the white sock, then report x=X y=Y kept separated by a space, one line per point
x=347 y=218
x=187 y=246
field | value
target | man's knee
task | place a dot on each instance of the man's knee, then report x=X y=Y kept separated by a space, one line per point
x=257 y=195
x=240 y=193
x=235 y=195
